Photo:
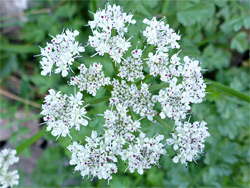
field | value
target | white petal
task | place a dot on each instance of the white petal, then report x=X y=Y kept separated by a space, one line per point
x=81 y=49
x=140 y=171
x=163 y=116
x=84 y=122
x=76 y=32
x=176 y=159
x=170 y=141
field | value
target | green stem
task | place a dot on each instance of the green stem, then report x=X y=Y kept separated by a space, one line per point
x=165 y=7
x=145 y=54
x=237 y=5
x=161 y=121
x=94 y=5
x=115 y=68
x=131 y=113
x=113 y=33
x=207 y=40
x=30 y=141
x=229 y=91
x=96 y=101
x=108 y=87
x=158 y=86
x=116 y=71
x=146 y=78
x=147 y=51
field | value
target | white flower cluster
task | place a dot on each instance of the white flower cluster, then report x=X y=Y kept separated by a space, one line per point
x=188 y=140
x=170 y=99
x=176 y=99
x=61 y=52
x=93 y=159
x=131 y=96
x=90 y=79
x=63 y=112
x=122 y=135
x=163 y=38
x=160 y=64
x=132 y=67
x=119 y=121
x=108 y=27
x=8 y=178
x=99 y=155
x=160 y=35
x=193 y=82
x=143 y=153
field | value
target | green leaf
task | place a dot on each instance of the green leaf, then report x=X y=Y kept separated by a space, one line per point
x=144 y=10
x=66 y=11
x=209 y=176
x=215 y=58
x=193 y=34
x=236 y=78
x=194 y=13
x=37 y=35
x=229 y=153
x=240 y=42
x=246 y=22
x=155 y=177
x=229 y=25
x=140 y=7
x=149 y=3
x=9 y=66
x=220 y=3
x=44 y=83
x=189 y=48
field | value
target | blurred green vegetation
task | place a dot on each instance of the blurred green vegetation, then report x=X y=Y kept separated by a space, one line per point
x=214 y=31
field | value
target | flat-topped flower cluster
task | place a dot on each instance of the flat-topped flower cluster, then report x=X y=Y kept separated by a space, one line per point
x=122 y=134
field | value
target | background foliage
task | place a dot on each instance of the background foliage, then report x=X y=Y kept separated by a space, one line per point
x=216 y=32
